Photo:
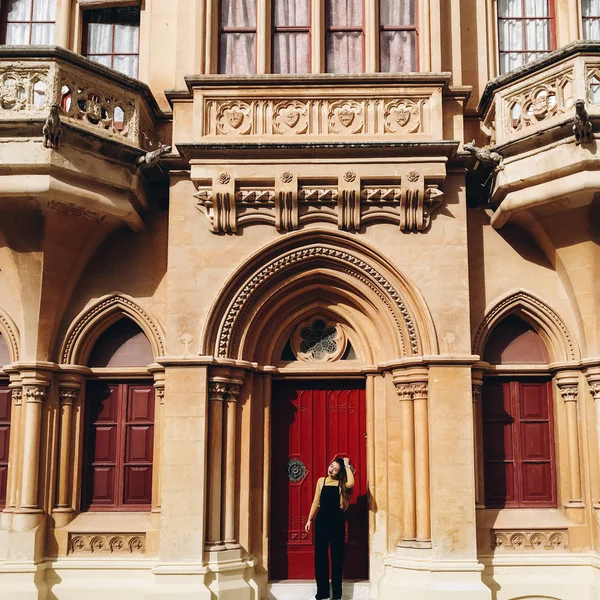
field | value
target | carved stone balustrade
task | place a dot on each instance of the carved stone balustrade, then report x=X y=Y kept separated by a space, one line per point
x=91 y=97
x=531 y=119
x=288 y=151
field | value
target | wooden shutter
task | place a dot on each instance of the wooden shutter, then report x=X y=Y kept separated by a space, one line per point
x=119 y=446
x=519 y=464
x=5 y=407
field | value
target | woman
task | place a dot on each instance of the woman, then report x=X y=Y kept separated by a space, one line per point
x=331 y=500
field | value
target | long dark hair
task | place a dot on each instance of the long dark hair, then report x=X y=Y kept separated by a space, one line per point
x=344 y=490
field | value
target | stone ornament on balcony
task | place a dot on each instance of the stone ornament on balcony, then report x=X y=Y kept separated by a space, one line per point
x=90 y=96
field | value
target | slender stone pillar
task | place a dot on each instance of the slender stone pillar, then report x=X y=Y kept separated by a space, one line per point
x=14 y=496
x=568 y=386
x=411 y=386
x=67 y=397
x=216 y=393
x=478 y=440
x=34 y=395
x=231 y=397
x=593 y=379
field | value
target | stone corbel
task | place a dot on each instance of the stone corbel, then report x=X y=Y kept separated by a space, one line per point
x=349 y=210
x=286 y=202
x=568 y=386
x=418 y=202
x=412 y=388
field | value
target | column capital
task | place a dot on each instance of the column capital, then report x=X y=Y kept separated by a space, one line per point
x=568 y=385
x=67 y=395
x=34 y=392
x=476 y=389
x=411 y=383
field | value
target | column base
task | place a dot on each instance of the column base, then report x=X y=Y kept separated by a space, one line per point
x=429 y=579
x=22 y=581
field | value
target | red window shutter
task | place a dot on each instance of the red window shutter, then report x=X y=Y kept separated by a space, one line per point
x=119 y=446
x=519 y=467
x=5 y=408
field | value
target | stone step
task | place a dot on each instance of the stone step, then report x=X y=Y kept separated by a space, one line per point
x=306 y=590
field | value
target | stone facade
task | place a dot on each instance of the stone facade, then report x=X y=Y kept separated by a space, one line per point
x=352 y=199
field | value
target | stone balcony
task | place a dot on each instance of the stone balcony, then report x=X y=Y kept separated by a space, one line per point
x=289 y=150
x=528 y=115
x=107 y=121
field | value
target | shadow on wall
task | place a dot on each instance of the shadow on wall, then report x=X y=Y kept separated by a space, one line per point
x=128 y=262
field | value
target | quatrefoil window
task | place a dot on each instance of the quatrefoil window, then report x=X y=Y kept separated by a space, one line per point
x=318 y=340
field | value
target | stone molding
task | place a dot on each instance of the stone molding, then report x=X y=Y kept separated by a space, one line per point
x=340 y=260
x=103 y=544
x=529 y=540
x=520 y=302
x=103 y=308
x=228 y=204
x=10 y=333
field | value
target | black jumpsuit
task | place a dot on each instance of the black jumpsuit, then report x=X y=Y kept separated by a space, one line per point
x=329 y=533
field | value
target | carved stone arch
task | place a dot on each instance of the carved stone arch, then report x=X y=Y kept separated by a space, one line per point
x=335 y=261
x=544 y=320
x=10 y=332
x=92 y=321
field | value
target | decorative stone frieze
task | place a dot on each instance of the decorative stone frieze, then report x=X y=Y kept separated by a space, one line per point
x=504 y=540
x=104 y=544
x=316 y=116
x=350 y=204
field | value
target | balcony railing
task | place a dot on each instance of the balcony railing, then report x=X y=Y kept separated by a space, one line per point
x=542 y=95
x=91 y=97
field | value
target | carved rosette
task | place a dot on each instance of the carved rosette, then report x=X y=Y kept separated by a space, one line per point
x=234 y=118
x=107 y=543
x=318 y=340
x=290 y=117
x=346 y=117
x=529 y=540
x=402 y=116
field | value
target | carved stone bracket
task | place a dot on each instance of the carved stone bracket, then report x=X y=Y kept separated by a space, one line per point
x=288 y=202
x=107 y=543
x=503 y=540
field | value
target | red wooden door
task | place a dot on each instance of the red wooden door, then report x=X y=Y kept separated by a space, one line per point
x=5 y=406
x=311 y=425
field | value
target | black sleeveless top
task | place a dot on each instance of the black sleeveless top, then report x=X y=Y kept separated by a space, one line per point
x=329 y=508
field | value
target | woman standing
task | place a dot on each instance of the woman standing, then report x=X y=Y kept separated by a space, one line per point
x=331 y=500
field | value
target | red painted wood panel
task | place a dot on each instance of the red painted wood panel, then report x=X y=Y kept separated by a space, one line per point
x=5 y=410
x=314 y=424
x=518 y=433
x=119 y=446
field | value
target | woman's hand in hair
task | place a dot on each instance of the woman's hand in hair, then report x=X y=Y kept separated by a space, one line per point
x=307 y=526
x=346 y=461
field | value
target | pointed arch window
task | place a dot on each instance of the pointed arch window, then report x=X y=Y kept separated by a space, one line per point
x=518 y=421
x=526 y=31
x=119 y=424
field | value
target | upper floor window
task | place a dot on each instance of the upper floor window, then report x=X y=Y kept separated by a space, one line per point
x=111 y=38
x=340 y=38
x=28 y=22
x=525 y=31
x=397 y=36
x=291 y=36
x=237 y=37
x=590 y=12
x=344 y=37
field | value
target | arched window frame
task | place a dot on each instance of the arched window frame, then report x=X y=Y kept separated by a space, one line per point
x=589 y=21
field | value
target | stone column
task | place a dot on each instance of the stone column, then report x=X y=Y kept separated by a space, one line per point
x=159 y=394
x=478 y=439
x=216 y=393
x=411 y=386
x=593 y=378
x=568 y=385
x=64 y=510
x=14 y=455
x=229 y=479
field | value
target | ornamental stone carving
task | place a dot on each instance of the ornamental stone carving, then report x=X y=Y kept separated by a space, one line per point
x=231 y=204
x=318 y=340
x=67 y=395
x=24 y=89
x=34 y=393
x=234 y=118
x=105 y=544
x=346 y=117
x=290 y=117
x=529 y=540
x=402 y=116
